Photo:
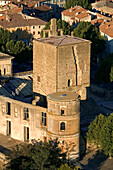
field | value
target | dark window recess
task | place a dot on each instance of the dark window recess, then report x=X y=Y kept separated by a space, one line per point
x=33 y=32
x=4 y=71
x=62 y=112
x=8 y=127
x=26 y=133
x=26 y=113
x=8 y=108
x=68 y=82
x=38 y=32
x=43 y=120
x=62 y=126
x=38 y=78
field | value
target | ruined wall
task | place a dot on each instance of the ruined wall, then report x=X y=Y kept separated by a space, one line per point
x=18 y=122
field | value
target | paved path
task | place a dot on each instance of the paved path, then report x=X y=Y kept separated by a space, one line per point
x=96 y=161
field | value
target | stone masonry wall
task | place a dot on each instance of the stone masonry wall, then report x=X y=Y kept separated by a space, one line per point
x=44 y=66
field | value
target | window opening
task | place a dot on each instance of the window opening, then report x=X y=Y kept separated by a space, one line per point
x=43 y=121
x=26 y=113
x=8 y=108
x=62 y=112
x=62 y=126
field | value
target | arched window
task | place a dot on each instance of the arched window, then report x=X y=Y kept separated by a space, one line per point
x=62 y=126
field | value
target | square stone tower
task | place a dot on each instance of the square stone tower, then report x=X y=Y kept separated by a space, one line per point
x=61 y=63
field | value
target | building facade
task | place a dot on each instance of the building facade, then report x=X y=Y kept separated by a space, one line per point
x=5 y=64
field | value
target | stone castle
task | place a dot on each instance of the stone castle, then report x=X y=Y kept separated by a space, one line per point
x=61 y=75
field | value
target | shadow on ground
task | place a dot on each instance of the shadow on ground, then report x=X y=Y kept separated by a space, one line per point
x=4 y=150
x=96 y=161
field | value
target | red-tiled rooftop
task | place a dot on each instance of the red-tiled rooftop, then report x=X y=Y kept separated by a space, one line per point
x=82 y=15
x=43 y=8
x=73 y=11
x=17 y=20
x=107 y=28
x=97 y=21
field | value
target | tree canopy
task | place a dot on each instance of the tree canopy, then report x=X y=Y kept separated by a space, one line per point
x=103 y=72
x=83 y=3
x=40 y=156
x=18 y=49
x=88 y=31
x=101 y=133
x=5 y=37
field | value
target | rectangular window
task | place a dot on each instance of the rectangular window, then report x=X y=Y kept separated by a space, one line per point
x=43 y=120
x=26 y=113
x=8 y=128
x=33 y=27
x=62 y=112
x=8 y=108
x=38 y=32
x=33 y=32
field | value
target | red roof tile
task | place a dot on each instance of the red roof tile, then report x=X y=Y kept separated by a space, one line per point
x=73 y=11
x=107 y=28
x=43 y=8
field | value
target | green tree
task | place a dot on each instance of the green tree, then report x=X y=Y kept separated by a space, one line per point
x=103 y=72
x=107 y=136
x=88 y=31
x=39 y=156
x=94 y=132
x=19 y=47
x=83 y=3
x=65 y=167
x=101 y=133
x=111 y=74
x=4 y=38
x=10 y=47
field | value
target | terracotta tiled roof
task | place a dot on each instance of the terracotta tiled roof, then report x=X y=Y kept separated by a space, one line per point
x=17 y=20
x=82 y=15
x=43 y=8
x=73 y=11
x=36 y=21
x=97 y=21
x=107 y=28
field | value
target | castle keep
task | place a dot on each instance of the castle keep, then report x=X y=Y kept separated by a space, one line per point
x=61 y=63
x=61 y=74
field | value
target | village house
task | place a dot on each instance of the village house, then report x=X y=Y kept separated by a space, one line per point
x=5 y=64
x=76 y=14
x=22 y=27
x=106 y=29
x=104 y=7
